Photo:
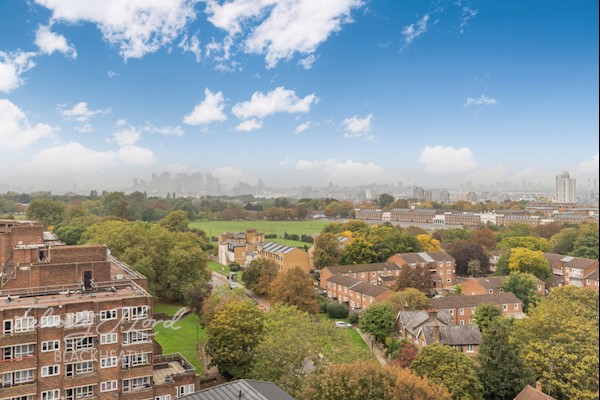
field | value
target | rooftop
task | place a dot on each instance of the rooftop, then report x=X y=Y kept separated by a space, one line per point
x=245 y=389
x=168 y=366
x=349 y=269
x=272 y=247
x=451 y=302
x=454 y=335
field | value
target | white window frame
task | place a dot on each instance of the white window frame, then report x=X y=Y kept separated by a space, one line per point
x=139 y=312
x=505 y=307
x=84 y=318
x=470 y=348
x=109 y=362
x=462 y=322
x=53 y=394
x=24 y=324
x=50 y=370
x=135 y=360
x=107 y=315
x=109 y=338
x=516 y=306
x=50 y=321
x=79 y=343
x=7 y=326
x=133 y=384
x=109 y=386
x=23 y=376
x=50 y=345
x=23 y=350
x=184 y=390
x=163 y=397
x=462 y=311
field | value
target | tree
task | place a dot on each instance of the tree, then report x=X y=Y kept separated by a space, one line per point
x=528 y=242
x=502 y=264
x=337 y=310
x=233 y=335
x=586 y=244
x=559 y=341
x=402 y=352
x=47 y=211
x=388 y=240
x=409 y=298
x=251 y=274
x=196 y=296
x=268 y=273
x=370 y=381
x=327 y=251
x=548 y=230
x=453 y=235
x=360 y=251
x=524 y=286
x=176 y=221
x=529 y=261
x=484 y=237
x=385 y=200
x=485 y=314
x=417 y=277
x=379 y=320
x=69 y=234
x=445 y=365
x=428 y=243
x=501 y=370
x=563 y=242
x=219 y=297
x=294 y=287
x=474 y=267
x=464 y=251
x=514 y=229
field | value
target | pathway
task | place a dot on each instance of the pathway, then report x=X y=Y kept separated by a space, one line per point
x=374 y=348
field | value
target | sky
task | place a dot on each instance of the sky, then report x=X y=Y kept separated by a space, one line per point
x=297 y=92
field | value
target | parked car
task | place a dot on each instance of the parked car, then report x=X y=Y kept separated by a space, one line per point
x=342 y=324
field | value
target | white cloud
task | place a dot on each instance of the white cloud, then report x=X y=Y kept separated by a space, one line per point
x=482 y=100
x=307 y=62
x=111 y=73
x=134 y=155
x=440 y=160
x=249 y=125
x=232 y=176
x=280 y=100
x=176 y=167
x=126 y=137
x=12 y=65
x=346 y=172
x=121 y=122
x=191 y=45
x=356 y=127
x=281 y=27
x=81 y=113
x=413 y=31
x=49 y=42
x=86 y=128
x=302 y=127
x=466 y=14
x=164 y=130
x=589 y=166
x=138 y=27
x=15 y=129
x=209 y=110
x=71 y=156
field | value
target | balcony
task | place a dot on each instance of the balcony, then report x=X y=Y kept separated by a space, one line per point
x=168 y=367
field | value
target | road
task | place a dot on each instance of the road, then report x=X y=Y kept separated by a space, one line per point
x=220 y=280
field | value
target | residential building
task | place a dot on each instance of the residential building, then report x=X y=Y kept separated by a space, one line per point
x=462 y=308
x=441 y=265
x=286 y=257
x=576 y=271
x=371 y=273
x=76 y=324
x=239 y=247
x=531 y=393
x=242 y=389
x=564 y=191
x=492 y=285
x=354 y=292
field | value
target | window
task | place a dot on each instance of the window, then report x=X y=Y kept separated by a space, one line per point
x=448 y=272
x=451 y=311
x=109 y=362
x=108 y=338
x=462 y=311
x=86 y=342
x=373 y=273
x=136 y=383
x=516 y=306
x=8 y=323
x=23 y=376
x=371 y=299
x=83 y=318
x=79 y=393
x=140 y=312
x=79 y=368
x=108 y=386
x=108 y=314
x=470 y=348
x=185 y=390
x=125 y=313
x=25 y=324
x=163 y=397
x=362 y=274
x=540 y=286
x=24 y=350
x=448 y=263
x=462 y=323
x=50 y=370
x=50 y=321
x=441 y=272
x=51 y=395
x=135 y=360
x=491 y=291
x=505 y=307
x=51 y=345
x=136 y=337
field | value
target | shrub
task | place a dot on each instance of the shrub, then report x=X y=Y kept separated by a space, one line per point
x=337 y=310
x=235 y=267
x=353 y=317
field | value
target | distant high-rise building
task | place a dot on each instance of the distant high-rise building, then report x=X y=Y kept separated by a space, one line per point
x=565 y=189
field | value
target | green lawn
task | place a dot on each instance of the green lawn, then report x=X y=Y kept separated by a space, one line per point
x=181 y=338
x=356 y=339
x=223 y=270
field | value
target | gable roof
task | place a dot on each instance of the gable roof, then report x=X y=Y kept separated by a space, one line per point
x=424 y=257
x=592 y=276
x=249 y=390
x=529 y=393
x=495 y=282
x=349 y=269
x=453 y=335
x=357 y=285
x=413 y=320
x=451 y=302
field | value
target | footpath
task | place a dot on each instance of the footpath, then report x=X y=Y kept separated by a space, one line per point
x=374 y=346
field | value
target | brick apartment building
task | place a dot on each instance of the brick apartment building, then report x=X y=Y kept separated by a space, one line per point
x=239 y=247
x=493 y=285
x=462 y=308
x=370 y=273
x=77 y=324
x=354 y=292
x=441 y=265
x=576 y=271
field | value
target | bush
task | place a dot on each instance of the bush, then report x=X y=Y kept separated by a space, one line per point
x=235 y=267
x=353 y=317
x=337 y=310
x=271 y=236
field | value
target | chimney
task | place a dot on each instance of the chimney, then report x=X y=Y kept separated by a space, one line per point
x=538 y=386
x=432 y=314
x=436 y=332
x=406 y=307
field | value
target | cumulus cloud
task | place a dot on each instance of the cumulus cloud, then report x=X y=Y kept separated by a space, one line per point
x=302 y=127
x=81 y=113
x=209 y=110
x=12 y=66
x=307 y=62
x=134 y=155
x=137 y=27
x=280 y=100
x=191 y=45
x=589 y=166
x=345 y=172
x=72 y=156
x=126 y=137
x=164 y=130
x=482 y=100
x=355 y=127
x=87 y=128
x=15 y=130
x=248 y=125
x=413 y=31
x=280 y=28
x=440 y=160
x=48 y=42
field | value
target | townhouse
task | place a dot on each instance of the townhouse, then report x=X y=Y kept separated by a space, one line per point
x=375 y=273
x=356 y=293
x=462 y=308
x=441 y=265
x=576 y=271
x=77 y=324
x=492 y=285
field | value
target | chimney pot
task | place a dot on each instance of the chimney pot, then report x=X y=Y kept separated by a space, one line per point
x=538 y=386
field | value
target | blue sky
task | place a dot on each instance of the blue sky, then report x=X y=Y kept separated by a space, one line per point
x=297 y=91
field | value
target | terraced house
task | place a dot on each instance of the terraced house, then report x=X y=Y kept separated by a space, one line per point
x=77 y=324
x=375 y=273
x=441 y=265
x=354 y=292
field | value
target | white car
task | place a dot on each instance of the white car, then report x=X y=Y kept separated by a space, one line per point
x=342 y=324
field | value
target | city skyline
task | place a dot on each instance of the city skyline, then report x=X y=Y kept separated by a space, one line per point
x=297 y=93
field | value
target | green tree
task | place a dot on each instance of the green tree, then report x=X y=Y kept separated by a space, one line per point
x=586 y=244
x=385 y=200
x=233 y=335
x=293 y=287
x=360 y=251
x=47 y=211
x=219 y=297
x=485 y=314
x=370 y=381
x=501 y=370
x=563 y=241
x=514 y=229
x=69 y=234
x=176 y=221
x=379 y=320
x=268 y=273
x=196 y=296
x=327 y=251
x=387 y=241
x=502 y=264
x=524 y=286
x=474 y=267
x=410 y=299
x=529 y=261
x=528 y=242
x=453 y=235
x=445 y=365
x=559 y=341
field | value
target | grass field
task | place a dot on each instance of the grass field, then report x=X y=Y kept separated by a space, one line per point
x=214 y=228
x=182 y=340
x=223 y=270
